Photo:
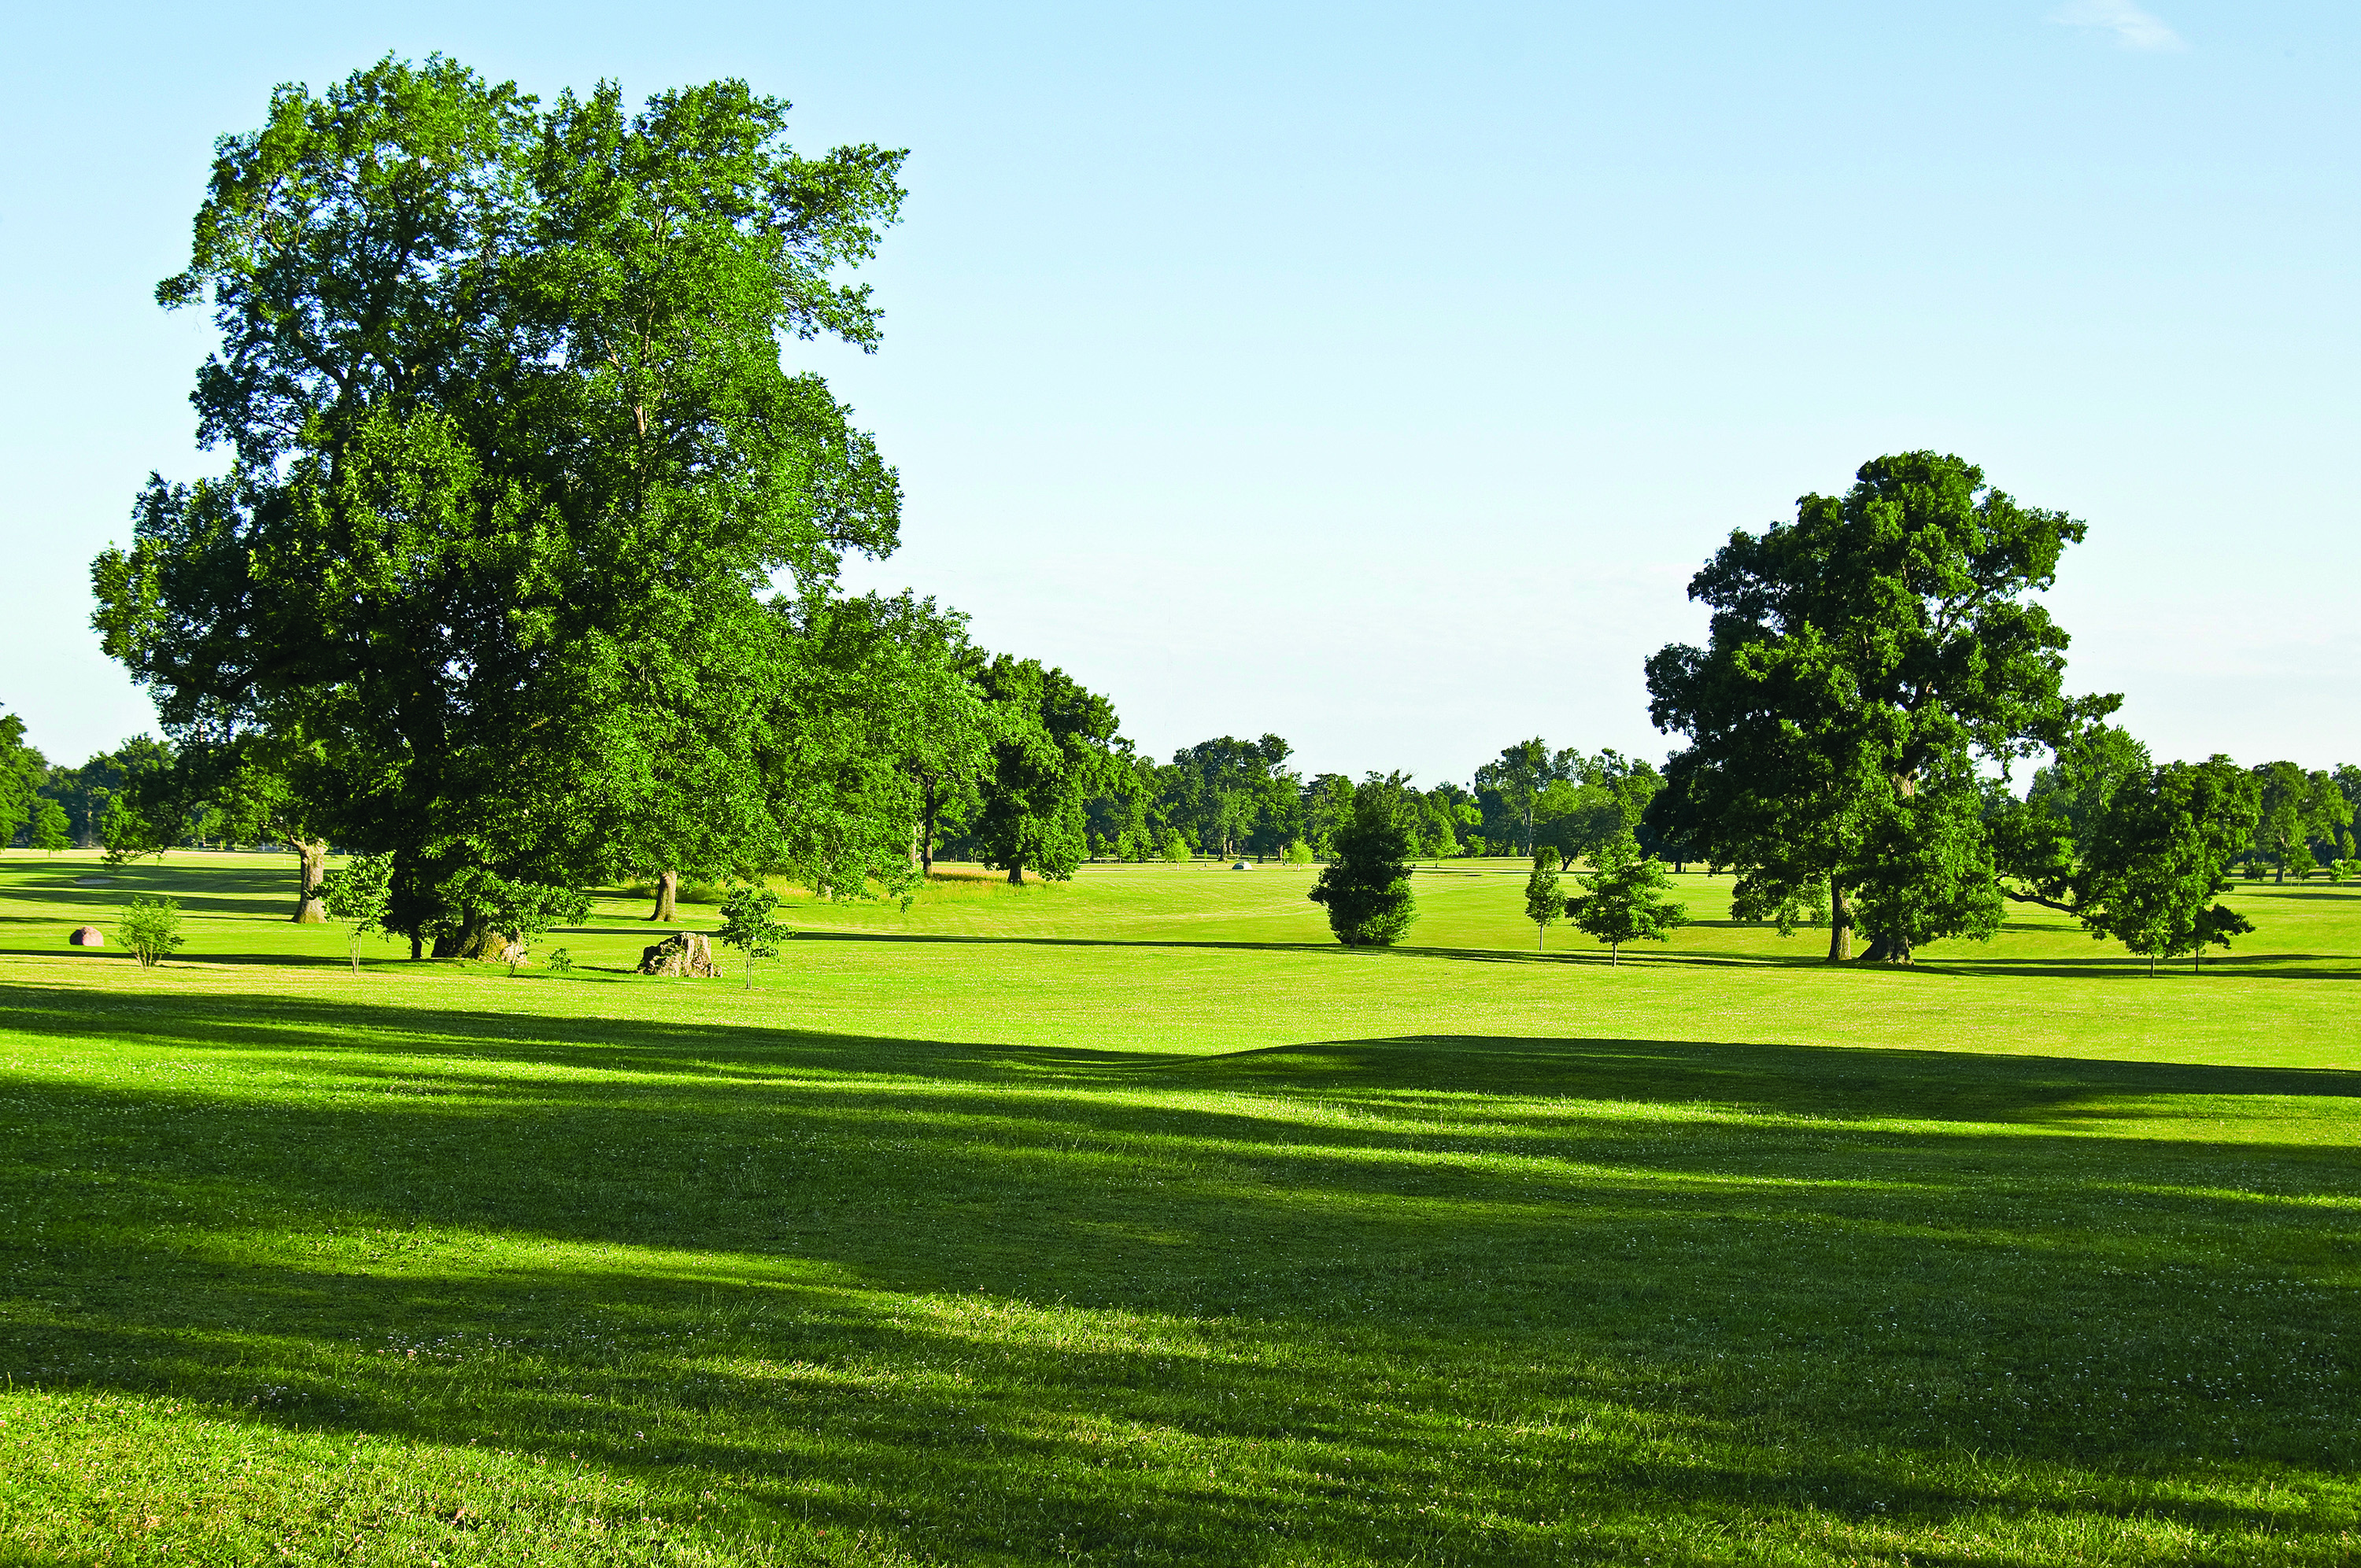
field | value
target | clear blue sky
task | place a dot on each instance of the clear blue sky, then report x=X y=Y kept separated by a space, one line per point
x=1377 y=375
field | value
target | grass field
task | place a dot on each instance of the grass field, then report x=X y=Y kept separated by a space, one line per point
x=1131 y=1221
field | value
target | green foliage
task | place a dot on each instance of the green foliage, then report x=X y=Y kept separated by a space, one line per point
x=1327 y=810
x=150 y=928
x=47 y=830
x=517 y=462
x=1051 y=755
x=1862 y=659
x=749 y=924
x=357 y=895
x=2148 y=862
x=1298 y=853
x=1232 y=796
x=1176 y=845
x=1544 y=899
x=1623 y=899
x=2294 y=810
x=23 y=771
x=1511 y=786
x=560 y=961
x=1365 y=890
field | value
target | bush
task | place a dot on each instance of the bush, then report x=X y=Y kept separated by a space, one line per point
x=1367 y=890
x=559 y=961
x=1298 y=854
x=150 y=928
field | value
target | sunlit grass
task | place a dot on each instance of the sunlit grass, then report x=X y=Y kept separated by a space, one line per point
x=1132 y=1222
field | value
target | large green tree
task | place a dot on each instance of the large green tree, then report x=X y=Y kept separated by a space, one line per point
x=1862 y=662
x=1051 y=754
x=516 y=464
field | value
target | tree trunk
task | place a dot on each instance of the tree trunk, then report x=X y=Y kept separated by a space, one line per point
x=417 y=947
x=474 y=939
x=1839 y=925
x=1887 y=948
x=2151 y=966
x=309 y=910
x=1017 y=874
x=667 y=894
x=1614 y=955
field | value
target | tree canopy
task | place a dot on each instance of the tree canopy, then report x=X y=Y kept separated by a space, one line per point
x=1861 y=661
x=516 y=463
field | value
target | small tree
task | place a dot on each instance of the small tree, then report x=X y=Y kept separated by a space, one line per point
x=150 y=928
x=747 y=926
x=1623 y=899
x=356 y=894
x=1367 y=889
x=1544 y=902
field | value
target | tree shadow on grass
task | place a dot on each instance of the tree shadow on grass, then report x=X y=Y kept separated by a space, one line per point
x=1019 y=1299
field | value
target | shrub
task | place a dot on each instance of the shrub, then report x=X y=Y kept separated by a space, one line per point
x=150 y=928
x=559 y=961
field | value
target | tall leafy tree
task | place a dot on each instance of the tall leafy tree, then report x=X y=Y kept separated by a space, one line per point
x=1594 y=800
x=1129 y=821
x=1861 y=661
x=1052 y=754
x=2295 y=809
x=47 y=830
x=876 y=703
x=1327 y=810
x=517 y=460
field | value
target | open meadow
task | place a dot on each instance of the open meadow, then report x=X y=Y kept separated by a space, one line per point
x=1131 y=1221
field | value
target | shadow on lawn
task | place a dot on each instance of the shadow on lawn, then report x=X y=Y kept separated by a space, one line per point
x=1399 y=1314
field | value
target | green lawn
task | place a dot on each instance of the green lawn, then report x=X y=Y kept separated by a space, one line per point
x=1130 y=1220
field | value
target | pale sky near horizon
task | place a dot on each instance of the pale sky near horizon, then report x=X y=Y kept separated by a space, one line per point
x=1379 y=375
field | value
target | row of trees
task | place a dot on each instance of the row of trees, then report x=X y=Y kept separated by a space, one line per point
x=523 y=577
